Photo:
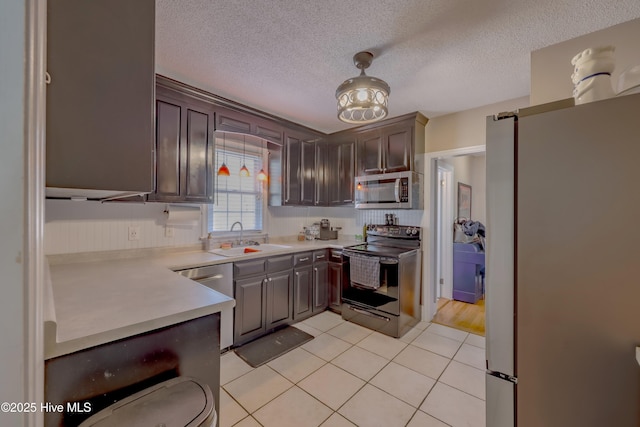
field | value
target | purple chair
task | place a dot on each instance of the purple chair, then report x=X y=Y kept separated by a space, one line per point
x=468 y=272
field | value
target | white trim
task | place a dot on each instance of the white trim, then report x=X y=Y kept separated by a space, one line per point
x=446 y=243
x=35 y=122
x=431 y=180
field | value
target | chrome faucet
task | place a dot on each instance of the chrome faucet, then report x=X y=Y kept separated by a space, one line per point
x=239 y=242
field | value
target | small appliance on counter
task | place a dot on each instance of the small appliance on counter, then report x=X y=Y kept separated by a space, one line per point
x=326 y=232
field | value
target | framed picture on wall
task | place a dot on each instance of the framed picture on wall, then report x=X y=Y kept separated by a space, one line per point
x=464 y=201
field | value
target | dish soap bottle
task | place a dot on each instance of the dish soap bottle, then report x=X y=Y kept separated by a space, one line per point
x=364 y=232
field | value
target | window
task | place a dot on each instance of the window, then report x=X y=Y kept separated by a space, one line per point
x=237 y=198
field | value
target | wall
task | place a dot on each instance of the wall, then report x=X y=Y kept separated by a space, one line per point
x=470 y=170
x=479 y=189
x=12 y=167
x=551 y=67
x=466 y=128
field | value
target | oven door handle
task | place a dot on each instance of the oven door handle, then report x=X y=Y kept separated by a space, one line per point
x=397 y=190
x=368 y=313
x=388 y=261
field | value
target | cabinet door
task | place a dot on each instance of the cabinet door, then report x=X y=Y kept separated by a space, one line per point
x=232 y=121
x=340 y=173
x=279 y=299
x=398 y=148
x=335 y=286
x=184 y=148
x=238 y=122
x=251 y=304
x=321 y=184
x=308 y=173
x=199 y=156
x=302 y=293
x=346 y=172
x=100 y=102
x=168 y=131
x=370 y=152
x=320 y=286
x=292 y=188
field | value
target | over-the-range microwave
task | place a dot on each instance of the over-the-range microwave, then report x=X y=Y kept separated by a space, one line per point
x=400 y=190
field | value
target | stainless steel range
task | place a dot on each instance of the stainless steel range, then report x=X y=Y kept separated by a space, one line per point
x=385 y=280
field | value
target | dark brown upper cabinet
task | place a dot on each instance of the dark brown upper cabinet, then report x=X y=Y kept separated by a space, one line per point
x=321 y=166
x=184 y=148
x=390 y=146
x=300 y=171
x=228 y=120
x=340 y=171
x=100 y=56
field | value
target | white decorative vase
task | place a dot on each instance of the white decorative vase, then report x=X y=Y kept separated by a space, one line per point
x=592 y=74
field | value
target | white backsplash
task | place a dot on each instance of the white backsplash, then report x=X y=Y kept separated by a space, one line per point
x=87 y=226
x=405 y=217
x=75 y=227
x=289 y=220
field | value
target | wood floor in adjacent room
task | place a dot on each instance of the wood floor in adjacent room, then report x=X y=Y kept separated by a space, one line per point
x=461 y=315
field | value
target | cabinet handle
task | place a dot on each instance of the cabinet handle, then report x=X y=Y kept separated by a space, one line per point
x=264 y=281
x=304 y=259
x=315 y=269
x=297 y=274
x=270 y=279
x=320 y=256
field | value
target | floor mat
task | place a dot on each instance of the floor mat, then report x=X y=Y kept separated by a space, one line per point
x=269 y=347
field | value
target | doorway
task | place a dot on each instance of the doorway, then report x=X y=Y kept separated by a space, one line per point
x=447 y=169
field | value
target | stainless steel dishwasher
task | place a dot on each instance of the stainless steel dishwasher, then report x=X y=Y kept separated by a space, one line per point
x=219 y=278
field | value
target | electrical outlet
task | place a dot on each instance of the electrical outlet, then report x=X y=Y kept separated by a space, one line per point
x=168 y=232
x=134 y=233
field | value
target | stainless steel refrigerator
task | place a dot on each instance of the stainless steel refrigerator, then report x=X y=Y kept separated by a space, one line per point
x=563 y=265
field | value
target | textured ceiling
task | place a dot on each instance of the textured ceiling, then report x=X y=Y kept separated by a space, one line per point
x=287 y=57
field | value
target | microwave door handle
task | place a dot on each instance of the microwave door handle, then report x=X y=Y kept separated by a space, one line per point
x=397 y=190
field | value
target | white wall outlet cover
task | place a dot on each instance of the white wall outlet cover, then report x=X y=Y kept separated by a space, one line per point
x=168 y=232
x=134 y=233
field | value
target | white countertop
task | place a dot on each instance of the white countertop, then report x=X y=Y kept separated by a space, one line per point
x=92 y=303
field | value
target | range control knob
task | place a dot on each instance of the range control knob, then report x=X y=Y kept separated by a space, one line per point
x=414 y=231
x=408 y=231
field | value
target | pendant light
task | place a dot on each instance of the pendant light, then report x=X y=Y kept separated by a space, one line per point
x=362 y=99
x=244 y=172
x=223 y=170
x=262 y=176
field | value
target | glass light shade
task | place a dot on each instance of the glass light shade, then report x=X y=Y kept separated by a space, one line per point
x=362 y=99
x=262 y=176
x=244 y=172
x=223 y=170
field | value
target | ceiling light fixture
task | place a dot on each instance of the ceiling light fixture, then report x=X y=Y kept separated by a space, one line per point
x=262 y=176
x=362 y=99
x=244 y=172
x=223 y=170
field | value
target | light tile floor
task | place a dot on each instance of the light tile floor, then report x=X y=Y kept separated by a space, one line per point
x=351 y=376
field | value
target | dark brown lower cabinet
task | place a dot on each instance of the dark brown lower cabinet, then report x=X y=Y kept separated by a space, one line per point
x=303 y=293
x=320 y=287
x=311 y=286
x=250 y=310
x=336 y=279
x=264 y=297
x=102 y=375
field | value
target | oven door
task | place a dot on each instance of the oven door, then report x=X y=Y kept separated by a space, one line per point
x=385 y=297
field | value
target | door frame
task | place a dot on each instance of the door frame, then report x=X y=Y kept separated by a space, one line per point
x=444 y=231
x=430 y=279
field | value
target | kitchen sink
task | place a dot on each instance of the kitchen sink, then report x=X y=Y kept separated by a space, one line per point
x=248 y=250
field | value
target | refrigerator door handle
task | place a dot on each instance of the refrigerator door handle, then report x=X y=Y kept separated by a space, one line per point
x=502 y=376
